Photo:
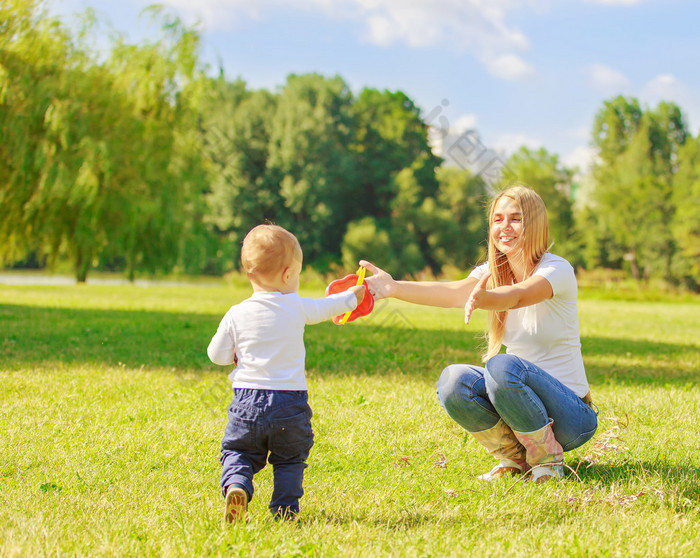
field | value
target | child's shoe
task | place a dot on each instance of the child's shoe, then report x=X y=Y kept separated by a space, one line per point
x=236 y=504
x=285 y=513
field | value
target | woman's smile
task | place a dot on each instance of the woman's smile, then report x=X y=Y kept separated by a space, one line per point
x=507 y=225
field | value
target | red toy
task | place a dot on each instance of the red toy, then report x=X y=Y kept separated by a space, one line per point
x=340 y=285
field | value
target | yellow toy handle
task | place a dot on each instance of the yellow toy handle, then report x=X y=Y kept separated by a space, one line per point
x=360 y=278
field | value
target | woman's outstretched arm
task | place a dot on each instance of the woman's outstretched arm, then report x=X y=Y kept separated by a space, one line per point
x=531 y=291
x=444 y=294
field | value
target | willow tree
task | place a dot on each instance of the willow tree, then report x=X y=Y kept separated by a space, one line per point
x=34 y=52
x=90 y=160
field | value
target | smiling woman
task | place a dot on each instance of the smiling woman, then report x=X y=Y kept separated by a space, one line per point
x=531 y=404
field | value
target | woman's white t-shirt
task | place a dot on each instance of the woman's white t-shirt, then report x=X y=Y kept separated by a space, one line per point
x=547 y=333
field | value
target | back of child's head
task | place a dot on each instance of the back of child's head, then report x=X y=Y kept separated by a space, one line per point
x=268 y=249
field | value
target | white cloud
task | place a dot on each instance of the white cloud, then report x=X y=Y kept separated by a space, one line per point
x=667 y=87
x=581 y=133
x=606 y=79
x=463 y=123
x=473 y=25
x=663 y=86
x=215 y=14
x=476 y=26
x=509 y=143
x=510 y=67
x=581 y=157
x=442 y=133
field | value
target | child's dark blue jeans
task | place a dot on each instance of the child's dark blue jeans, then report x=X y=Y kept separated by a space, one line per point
x=268 y=421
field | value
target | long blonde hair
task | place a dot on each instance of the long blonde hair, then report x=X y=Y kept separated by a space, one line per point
x=534 y=242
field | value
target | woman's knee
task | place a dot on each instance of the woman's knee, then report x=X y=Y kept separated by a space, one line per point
x=503 y=375
x=501 y=364
x=455 y=383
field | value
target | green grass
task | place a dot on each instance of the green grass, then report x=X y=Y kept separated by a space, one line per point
x=112 y=416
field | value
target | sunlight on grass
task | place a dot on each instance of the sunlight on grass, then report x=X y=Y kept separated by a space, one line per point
x=112 y=418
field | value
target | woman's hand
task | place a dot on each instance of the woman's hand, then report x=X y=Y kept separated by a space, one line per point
x=381 y=284
x=475 y=297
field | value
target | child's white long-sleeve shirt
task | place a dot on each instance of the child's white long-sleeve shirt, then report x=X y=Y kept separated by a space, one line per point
x=266 y=331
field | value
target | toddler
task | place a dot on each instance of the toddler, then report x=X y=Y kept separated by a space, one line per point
x=269 y=418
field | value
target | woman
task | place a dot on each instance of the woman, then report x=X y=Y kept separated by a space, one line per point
x=529 y=405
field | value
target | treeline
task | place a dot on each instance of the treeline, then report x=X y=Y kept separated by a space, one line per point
x=137 y=160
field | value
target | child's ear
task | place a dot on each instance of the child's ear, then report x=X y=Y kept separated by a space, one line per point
x=286 y=274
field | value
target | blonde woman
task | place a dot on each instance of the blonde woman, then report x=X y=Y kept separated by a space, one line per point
x=531 y=404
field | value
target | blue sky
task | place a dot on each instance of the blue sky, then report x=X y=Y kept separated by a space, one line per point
x=520 y=72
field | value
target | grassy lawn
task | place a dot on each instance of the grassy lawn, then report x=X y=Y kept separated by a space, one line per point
x=112 y=415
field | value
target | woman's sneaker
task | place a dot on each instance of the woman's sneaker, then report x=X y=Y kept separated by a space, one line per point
x=505 y=467
x=544 y=473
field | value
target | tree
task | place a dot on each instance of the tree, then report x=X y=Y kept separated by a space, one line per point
x=91 y=175
x=614 y=127
x=364 y=239
x=309 y=158
x=638 y=153
x=685 y=225
x=33 y=54
x=157 y=176
x=456 y=219
x=389 y=136
x=235 y=125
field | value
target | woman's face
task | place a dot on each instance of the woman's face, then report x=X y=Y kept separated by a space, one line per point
x=507 y=225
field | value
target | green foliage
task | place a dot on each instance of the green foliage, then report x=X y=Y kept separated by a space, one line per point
x=138 y=161
x=365 y=240
x=454 y=222
x=633 y=197
x=33 y=51
x=308 y=158
x=390 y=136
x=686 y=220
x=102 y=177
x=234 y=127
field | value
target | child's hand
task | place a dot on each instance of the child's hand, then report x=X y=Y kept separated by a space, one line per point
x=359 y=291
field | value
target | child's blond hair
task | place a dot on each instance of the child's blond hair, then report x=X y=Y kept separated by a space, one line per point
x=269 y=249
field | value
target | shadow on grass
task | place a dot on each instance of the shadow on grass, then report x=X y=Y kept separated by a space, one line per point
x=684 y=479
x=663 y=363
x=45 y=337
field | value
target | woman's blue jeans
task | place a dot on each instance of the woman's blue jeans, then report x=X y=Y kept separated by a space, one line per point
x=520 y=393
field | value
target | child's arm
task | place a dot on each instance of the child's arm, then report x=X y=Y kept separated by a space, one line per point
x=221 y=349
x=317 y=310
x=359 y=292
